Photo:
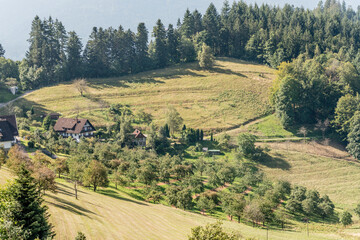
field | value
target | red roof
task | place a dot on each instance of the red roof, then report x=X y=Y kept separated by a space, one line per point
x=137 y=134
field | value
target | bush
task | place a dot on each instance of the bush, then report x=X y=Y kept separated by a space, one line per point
x=346 y=218
x=31 y=144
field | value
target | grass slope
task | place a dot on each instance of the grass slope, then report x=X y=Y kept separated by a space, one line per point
x=6 y=95
x=224 y=97
x=118 y=216
x=334 y=177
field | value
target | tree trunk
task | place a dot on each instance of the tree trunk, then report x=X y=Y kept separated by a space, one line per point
x=76 y=190
x=238 y=219
x=94 y=187
x=59 y=174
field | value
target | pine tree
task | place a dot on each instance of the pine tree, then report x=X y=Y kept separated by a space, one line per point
x=36 y=40
x=198 y=26
x=188 y=26
x=212 y=25
x=160 y=53
x=141 y=48
x=31 y=215
x=96 y=54
x=354 y=136
x=2 y=51
x=172 y=43
x=73 y=56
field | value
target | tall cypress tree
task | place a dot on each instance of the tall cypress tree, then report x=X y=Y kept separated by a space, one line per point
x=160 y=53
x=31 y=215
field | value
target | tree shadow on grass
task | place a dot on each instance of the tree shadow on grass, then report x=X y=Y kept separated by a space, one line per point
x=66 y=186
x=302 y=217
x=114 y=194
x=274 y=162
x=70 y=206
x=226 y=71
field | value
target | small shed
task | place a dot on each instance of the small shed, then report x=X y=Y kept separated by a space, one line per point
x=14 y=90
x=214 y=152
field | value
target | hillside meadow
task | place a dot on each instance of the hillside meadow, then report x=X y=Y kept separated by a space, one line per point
x=231 y=93
x=115 y=215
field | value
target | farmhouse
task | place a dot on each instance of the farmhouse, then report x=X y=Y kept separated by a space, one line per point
x=8 y=131
x=75 y=128
x=138 y=138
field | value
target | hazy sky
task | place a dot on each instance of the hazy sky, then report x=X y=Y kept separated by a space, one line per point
x=82 y=15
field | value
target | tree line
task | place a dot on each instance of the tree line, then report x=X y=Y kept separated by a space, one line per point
x=264 y=34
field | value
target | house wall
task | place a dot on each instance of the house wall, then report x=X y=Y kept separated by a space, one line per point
x=141 y=142
x=6 y=145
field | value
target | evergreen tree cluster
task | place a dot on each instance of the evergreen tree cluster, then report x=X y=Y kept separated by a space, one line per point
x=265 y=34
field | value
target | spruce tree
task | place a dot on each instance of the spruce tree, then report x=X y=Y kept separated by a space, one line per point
x=141 y=48
x=73 y=56
x=212 y=25
x=2 y=51
x=188 y=26
x=160 y=53
x=172 y=42
x=354 y=136
x=31 y=215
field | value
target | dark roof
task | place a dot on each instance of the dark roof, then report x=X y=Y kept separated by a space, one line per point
x=137 y=134
x=71 y=125
x=8 y=128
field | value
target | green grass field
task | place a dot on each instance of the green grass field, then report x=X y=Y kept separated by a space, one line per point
x=6 y=95
x=233 y=92
x=337 y=178
x=118 y=216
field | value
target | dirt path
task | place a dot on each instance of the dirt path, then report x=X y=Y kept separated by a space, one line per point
x=233 y=131
x=19 y=97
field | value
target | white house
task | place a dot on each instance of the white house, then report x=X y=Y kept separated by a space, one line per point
x=75 y=128
x=8 y=131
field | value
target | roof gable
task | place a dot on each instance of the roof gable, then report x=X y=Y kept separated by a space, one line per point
x=137 y=134
x=8 y=128
x=71 y=125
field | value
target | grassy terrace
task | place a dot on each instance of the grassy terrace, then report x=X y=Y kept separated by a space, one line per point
x=233 y=92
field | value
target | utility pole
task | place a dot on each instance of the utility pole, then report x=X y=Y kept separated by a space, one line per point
x=307 y=226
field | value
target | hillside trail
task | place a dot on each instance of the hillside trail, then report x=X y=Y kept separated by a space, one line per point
x=19 y=97
x=241 y=127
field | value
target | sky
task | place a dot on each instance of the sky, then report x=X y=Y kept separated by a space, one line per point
x=82 y=15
